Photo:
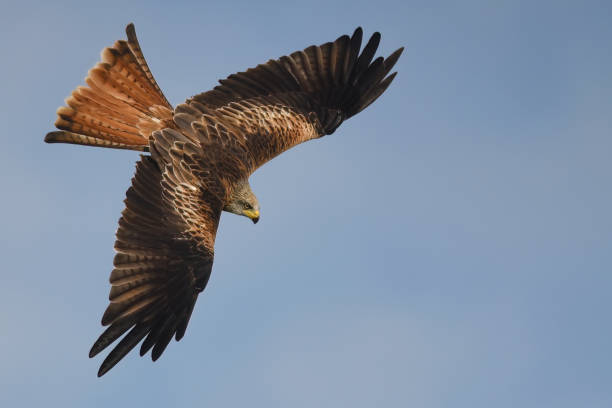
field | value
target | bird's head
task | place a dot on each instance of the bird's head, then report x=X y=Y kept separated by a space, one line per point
x=243 y=202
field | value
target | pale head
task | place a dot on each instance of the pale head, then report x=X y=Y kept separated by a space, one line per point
x=243 y=202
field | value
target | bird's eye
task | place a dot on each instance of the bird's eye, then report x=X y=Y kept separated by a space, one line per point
x=248 y=206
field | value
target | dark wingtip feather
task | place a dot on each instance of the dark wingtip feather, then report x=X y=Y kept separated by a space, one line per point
x=109 y=335
x=145 y=347
x=112 y=333
x=374 y=93
x=373 y=75
x=125 y=345
x=148 y=342
x=364 y=60
x=387 y=81
x=108 y=316
x=130 y=30
x=163 y=340
x=52 y=137
x=153 y=336
x=392 y=59
x=373 y=43
x=356 y=39
x=104 y=368
x=160 y=347
x=353 y=54
x=182 y=326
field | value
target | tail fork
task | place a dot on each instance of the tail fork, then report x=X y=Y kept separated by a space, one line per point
x=120 y=106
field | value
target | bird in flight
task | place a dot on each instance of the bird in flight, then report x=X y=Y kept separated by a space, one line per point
x=201 y=155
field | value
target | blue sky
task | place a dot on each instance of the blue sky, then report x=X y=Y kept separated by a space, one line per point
x=451 y=246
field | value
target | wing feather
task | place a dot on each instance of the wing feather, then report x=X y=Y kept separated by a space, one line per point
x=165 y=245
x=295 y=98
x=125 y=345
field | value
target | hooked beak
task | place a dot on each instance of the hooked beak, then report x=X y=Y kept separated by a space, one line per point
x=252 y=214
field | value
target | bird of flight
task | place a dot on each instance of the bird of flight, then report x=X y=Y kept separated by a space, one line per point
x=201 y=155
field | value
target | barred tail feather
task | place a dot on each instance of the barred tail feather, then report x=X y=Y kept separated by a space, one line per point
x=120 y=106
x=75 y=138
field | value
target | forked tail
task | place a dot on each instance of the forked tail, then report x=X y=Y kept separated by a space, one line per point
x=120 y=106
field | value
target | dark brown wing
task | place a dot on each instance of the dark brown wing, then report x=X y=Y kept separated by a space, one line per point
x=243 y=135
x=318 y=88
x=164 y=248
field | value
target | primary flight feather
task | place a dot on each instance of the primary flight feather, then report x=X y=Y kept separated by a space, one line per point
x=201 y=156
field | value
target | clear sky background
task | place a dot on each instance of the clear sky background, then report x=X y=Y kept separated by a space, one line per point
x=451 y=246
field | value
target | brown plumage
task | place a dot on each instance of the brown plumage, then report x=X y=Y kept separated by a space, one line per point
x=202 y=154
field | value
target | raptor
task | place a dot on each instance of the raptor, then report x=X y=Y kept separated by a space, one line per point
x=197 y=162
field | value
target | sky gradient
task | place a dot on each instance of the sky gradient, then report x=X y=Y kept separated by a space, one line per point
x=450 y=246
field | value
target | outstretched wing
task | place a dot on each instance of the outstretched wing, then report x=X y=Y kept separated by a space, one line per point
x=295 y=98
x=164 y=249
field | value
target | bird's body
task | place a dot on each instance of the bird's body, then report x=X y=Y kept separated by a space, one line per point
x=201 y=156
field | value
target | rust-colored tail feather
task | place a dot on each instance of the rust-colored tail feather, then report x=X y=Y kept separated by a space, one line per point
x=120 y=106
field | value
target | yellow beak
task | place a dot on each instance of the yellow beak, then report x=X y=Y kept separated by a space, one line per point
x=252 y=214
